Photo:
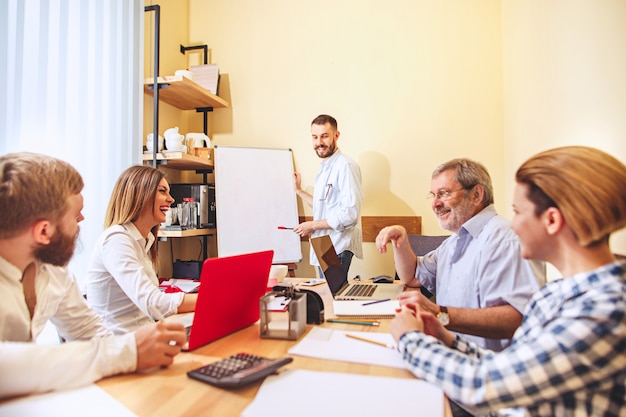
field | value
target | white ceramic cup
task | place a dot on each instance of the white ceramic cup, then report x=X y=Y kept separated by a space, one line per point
x=169 y=218
x=279 y=272
x=175 y=143
x=172 y=132
x=149 y=142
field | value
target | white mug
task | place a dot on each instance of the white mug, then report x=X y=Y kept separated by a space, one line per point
x=149 y=142
x=198 y=140
x=171 y=133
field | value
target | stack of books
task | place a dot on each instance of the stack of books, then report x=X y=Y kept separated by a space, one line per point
x=207 y=76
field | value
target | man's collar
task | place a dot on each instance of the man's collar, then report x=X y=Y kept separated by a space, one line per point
x=475 y=224
x=332 y=157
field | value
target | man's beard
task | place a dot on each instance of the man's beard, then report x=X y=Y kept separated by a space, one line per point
x=59 y=251
x=460 y=213
x=329 y=151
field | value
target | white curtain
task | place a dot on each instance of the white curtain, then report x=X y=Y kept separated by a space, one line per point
x=71 y=79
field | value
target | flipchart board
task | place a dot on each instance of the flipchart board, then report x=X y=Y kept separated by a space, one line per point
x=254 y=194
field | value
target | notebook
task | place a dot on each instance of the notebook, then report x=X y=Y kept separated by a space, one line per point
x=338 y=280
x=228 y=297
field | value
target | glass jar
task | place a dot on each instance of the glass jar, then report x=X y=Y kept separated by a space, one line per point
x=189 y=219
x=193 y=214
x=183 y=216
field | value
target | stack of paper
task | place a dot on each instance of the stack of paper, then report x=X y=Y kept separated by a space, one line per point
x=206 y=76
x=186 y=285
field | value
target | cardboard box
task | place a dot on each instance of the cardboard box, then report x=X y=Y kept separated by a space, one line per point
x=204 y=152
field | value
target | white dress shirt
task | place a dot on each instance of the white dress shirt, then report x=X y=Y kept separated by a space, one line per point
x=91 y=353
x=337 y=198
x=122 y=283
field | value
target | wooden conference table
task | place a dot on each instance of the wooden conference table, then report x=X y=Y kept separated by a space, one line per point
x=170 y=392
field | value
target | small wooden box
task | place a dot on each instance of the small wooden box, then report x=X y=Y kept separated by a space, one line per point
x=204 y=152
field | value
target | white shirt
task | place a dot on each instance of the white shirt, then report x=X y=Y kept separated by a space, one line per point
x=488 y=271
x=122 y=283
x=337 y=198
x=91 y=353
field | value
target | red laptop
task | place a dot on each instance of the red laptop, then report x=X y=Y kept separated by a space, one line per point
x=228 y=298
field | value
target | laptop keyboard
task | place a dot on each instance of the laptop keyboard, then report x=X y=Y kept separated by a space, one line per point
x=360 y=290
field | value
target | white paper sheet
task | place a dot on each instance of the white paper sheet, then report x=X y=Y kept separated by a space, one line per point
x=356 y=308
x=187 y=285
x=335 y=345
x=89 y=401
x=305 y=393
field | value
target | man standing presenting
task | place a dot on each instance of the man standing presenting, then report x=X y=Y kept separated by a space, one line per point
x=337 y=197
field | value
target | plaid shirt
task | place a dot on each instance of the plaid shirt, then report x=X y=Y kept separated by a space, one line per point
x=568 y=358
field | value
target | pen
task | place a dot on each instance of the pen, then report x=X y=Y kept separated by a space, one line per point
x=157 y=315
x=284 y=228
x=370 y=341
x=375 y=301
x=365 y=323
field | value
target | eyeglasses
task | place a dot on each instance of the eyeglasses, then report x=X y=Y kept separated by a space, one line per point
x=443 y=195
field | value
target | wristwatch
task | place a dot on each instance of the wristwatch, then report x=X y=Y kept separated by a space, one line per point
x=443 y=316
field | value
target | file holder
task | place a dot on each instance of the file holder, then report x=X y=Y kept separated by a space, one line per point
x=283 y=315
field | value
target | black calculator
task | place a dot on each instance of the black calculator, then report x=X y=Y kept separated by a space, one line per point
x=237 y=370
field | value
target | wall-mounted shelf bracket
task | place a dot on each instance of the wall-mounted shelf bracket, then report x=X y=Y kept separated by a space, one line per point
x=204 y=173
x=205 y=119
x=205 y=48
x=161 y=86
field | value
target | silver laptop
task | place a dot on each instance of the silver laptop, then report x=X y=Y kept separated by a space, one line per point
x=338 y=280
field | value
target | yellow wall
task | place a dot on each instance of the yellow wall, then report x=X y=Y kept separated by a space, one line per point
x=412 y=83
x=565 y=82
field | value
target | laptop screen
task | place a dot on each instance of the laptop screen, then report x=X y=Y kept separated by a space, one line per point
x=228 y=298
x=329 y=262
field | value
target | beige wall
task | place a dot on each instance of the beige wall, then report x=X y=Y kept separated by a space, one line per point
x=412 y=84
x=564 y=80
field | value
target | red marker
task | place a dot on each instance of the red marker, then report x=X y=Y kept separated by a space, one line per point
x=284 y=228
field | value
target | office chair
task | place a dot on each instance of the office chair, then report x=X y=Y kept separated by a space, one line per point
x=421 y=245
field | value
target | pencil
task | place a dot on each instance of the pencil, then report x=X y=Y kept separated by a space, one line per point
x=376 y=301
x=158 y=316
x=156 y=313
x=370 y=341
x=364 y=322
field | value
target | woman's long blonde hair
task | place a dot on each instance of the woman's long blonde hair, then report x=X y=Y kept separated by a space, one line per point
x=134 y=190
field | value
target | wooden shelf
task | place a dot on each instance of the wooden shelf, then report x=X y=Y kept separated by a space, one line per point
x=186 y=233
x=180 y=160
x=183 y=93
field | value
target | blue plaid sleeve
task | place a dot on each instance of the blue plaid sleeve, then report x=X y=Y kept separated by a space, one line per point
x=562 y=358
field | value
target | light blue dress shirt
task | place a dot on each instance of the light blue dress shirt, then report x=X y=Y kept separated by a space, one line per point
x=337 y=198
x=487 y=270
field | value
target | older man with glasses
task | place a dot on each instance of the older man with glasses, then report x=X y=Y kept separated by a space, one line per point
x=480 y=281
